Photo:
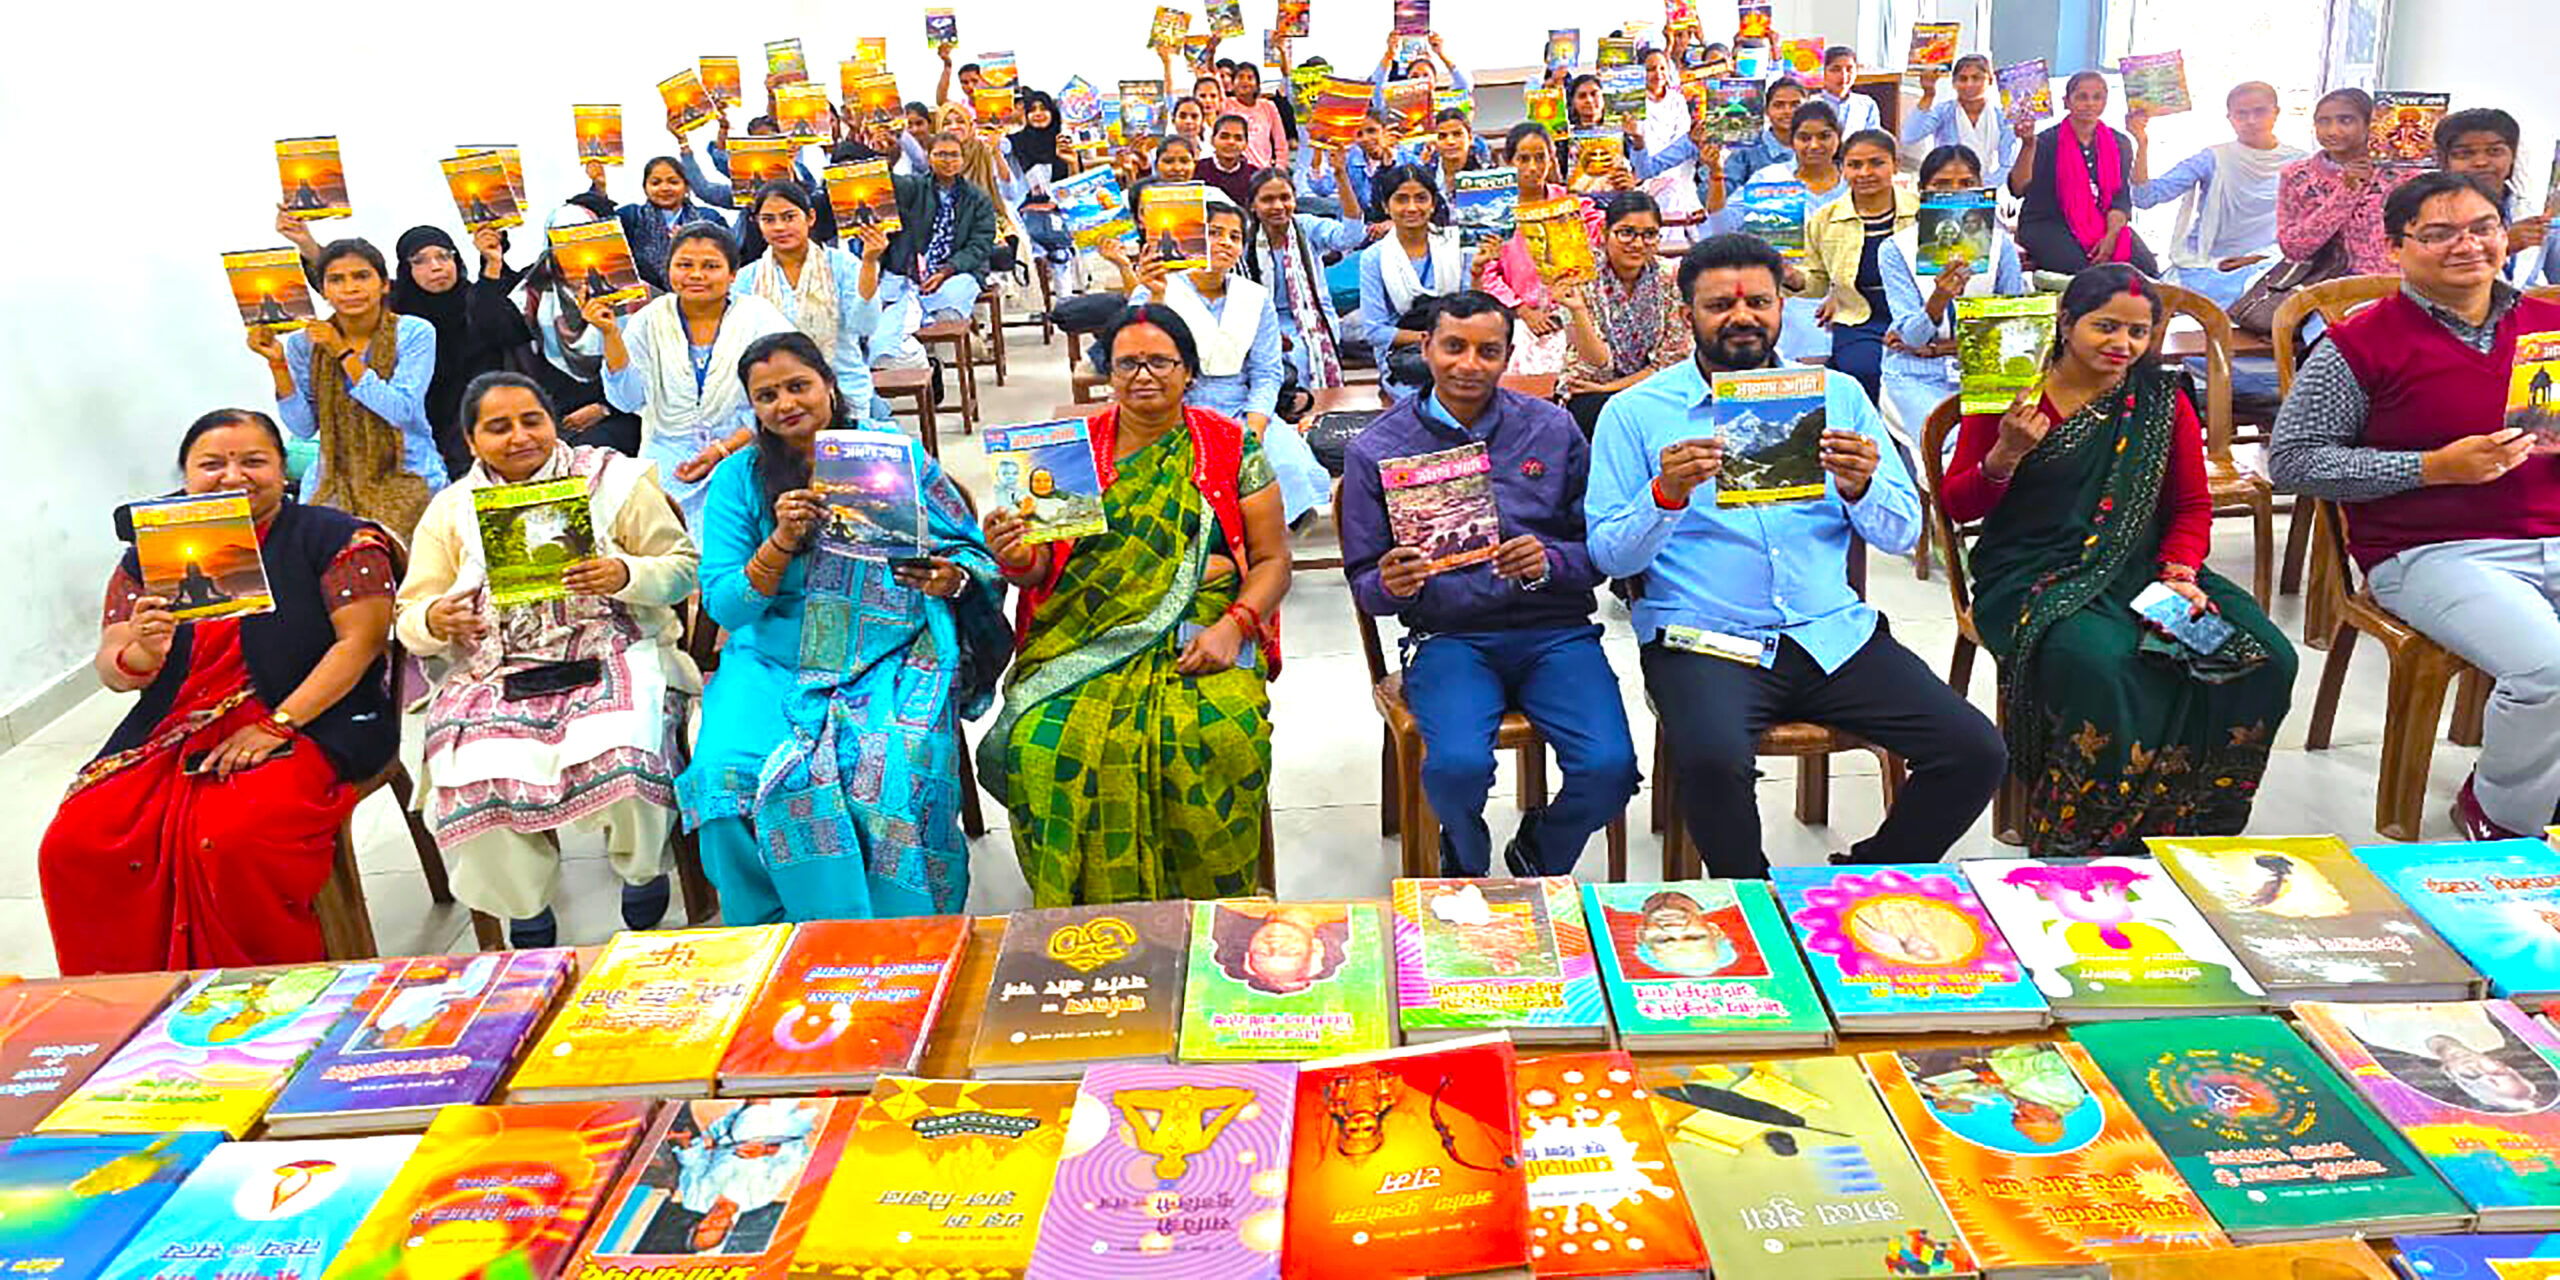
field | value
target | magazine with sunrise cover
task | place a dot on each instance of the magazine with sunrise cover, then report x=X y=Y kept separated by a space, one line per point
x=689 y=105
x=315 y=178
x=719 y=77
x=481 y=193
x=599 y=129
x=200 y=553
x=594 y=260
x=268 y=287
x=755 y=161
x=1174 y=222
x=800 y=111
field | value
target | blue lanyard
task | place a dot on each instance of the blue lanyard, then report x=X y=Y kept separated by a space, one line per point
x=701 y=366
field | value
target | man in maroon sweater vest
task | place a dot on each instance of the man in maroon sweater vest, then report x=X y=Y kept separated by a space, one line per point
x=2454 y=516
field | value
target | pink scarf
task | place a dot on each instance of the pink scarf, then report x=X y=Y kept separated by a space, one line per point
x=2084 y=204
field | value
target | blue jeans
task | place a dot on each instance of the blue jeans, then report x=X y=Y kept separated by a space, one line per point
x=1459 y=685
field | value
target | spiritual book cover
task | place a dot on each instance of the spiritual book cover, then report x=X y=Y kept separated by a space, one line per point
x=1793 y=1170
x=429 y=1033
x=510 y=164
x=1774 y=211
x=480 y=192
x=1407 y=1163
x=269 y=288
x=1046 y=472
x=2111 y=938
x=2493 y=900
x=531 y=534
x=1441 y=504
x=2156 y=82
x=1094 y=208
x=1482 y=201
x=200 y=553
x=495 y=1193
x=1603 y=1197
x=755 y=161
x=717 y=1191
x=1409 y=107
x=784 y=63
x=270 y=1210
x=1906 y=943
x=1955 y=230
x=2475 y=1084
x=998 y=106
x=720 y=79
x=800 y=111
x=1226 y=18
x=53 y=1033
x=2531 y=406
x=2001 y=345
x=1564 y=48
x=1494 y=955
x=1271 y=981
x=1175 y=216
x=941 y=28
x=594 y=259
x=2403 y=134
x=1771 y=421
x=849 y=1001
x=315 y=178
x=872 y=99
x=867 y=480
x=2026 y=90
x=1546 y=108
x=1597 y=153
x=2036 y=1157
x=1802 y=58
x=2312 y=922
x=1333 y=120
x=1166 y=29
x=1614 y=51
x=940 y=1178
x=1933 y=47
x=863 y=196
x=872 y=51
x=1077 y=985
x=1703 y=961
x=1292 y=19
x=1558 y=242
x=1171 y=1173
x=2270 y=1139
x=217 y=1057
x=654 y=1016
x=1412 y=17
x=73 y=1202
x=599 y=132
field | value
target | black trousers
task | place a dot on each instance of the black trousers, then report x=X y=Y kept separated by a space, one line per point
x=1712 y=712
x=2051 y=245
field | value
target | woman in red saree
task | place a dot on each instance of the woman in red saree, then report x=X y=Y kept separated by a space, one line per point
x=201 y=833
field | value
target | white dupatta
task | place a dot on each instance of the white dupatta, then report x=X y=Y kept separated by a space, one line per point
x=1224 y=338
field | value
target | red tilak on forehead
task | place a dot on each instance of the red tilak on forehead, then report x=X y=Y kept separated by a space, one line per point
x=1738 y=294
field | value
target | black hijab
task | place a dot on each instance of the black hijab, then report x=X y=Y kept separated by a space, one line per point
x=1038 y=146
x=449 y=312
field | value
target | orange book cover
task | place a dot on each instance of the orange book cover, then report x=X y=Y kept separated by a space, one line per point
x=800 y=110
x=510 y=159
x=755 y=161
x=849 y=1000
x=653 y=1016
x=872 y=51
x=269 y=288
x=1407 y=1162
x=719 y=77
x=689 y=106
x=863 y=195
x=1409 y=108
x=594 y=260
x=941 y=1178
x=998 y=108
x=200 y=553
x=2037 y=1157
x=1603 y=1197
x=480 y=191
x=494 y=1193
x=599 y=132
x=873 y=99
x=315 y=178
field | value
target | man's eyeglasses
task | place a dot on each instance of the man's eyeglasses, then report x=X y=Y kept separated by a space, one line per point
x=1132 y=366
x=2436 y=235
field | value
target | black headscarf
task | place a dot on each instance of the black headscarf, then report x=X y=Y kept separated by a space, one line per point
x=449 y=312
x=1038 y=146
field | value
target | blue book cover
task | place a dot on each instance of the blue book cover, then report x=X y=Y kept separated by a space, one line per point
x=2479 y=1257
x=1907 y=942
x=429 y=1033
x=68 y=1203
x=264 y=1210
x=2494 y=900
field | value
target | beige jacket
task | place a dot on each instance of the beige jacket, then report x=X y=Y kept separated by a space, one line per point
x=1833 y=240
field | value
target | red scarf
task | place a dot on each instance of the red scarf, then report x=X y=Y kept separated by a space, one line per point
x=2084 y=204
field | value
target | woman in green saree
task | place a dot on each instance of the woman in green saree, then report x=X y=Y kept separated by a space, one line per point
x=1134 y=748
x=2091 y=488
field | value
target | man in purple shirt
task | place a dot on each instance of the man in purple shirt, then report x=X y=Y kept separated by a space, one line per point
x=1504 y=621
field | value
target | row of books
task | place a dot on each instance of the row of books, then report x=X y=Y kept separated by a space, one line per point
x=2137 y=1150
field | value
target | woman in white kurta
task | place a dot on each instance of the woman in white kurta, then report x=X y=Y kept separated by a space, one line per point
x=675 y=361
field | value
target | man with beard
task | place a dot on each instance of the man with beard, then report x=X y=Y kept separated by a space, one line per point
x=1745 y=613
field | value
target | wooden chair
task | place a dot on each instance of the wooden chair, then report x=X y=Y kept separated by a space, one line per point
x=2009 y=804
x=2332 y=301
x=2235 y=488
x=991 y=300
x=1812 y=745
x=346 y=920
x=915 y=385
x=951 y=337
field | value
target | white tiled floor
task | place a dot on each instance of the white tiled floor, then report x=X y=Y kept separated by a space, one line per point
x=1325 y=786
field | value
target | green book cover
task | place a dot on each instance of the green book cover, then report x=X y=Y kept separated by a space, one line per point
x=2001 y=344
x=530 y=534
x=1701 y=957
x=2268 y=1136
x=1281 y=981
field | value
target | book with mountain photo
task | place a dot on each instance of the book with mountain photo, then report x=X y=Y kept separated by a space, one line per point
x=1733 y=109
x=1771 y=422
x=200 y=553
x=1774 y=212
x=2001 y=345
x=531 y=534
x=1482 y=203
x=1441 y=504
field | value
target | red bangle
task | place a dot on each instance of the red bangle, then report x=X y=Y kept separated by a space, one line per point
x=1663 y=500
x=273 y=730
x=129 y=671
x=2172 y=571
x=1252 y=617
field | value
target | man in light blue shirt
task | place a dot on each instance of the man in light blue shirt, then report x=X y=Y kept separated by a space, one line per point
x=1745 y=611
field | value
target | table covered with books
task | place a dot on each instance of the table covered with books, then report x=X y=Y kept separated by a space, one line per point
x=2231 y=1058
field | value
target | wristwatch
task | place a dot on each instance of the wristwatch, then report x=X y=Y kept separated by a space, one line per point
x=282 y=722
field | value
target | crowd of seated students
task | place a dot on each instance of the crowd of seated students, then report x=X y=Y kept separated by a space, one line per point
x=1130 y=670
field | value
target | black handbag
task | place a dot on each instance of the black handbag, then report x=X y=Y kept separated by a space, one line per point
x=1329 y=437
x=2255 y=311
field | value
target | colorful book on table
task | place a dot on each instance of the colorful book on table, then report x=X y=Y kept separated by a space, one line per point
x=1933 y=48
x=2482 y=1257
x=1771 y=422
x=2403 y=133
x=653 y=1017
x=2475 y=1084
x=1274 y=981
x=1171 y=1173
x=216 y=1057
x=849 y=1001
x=784 y=62
x=2271 y=1140
x=200 y=553
x=496 y=1193
x=2156 y=82
x=315 y=178
x=941 y=1177
x=531 y=534
x=1496 y=955
x=2111 y=938
x=2000 y=347
x=1074 y=986
x=1046 y=472
x=1906 y=948
x=1793 y=1170
x=1604 y=1199
x=1406 y=1163
x=1774 y=211
x=481 y=193
x=1482 y=202
x=2306 y=1260
x=599 y=130
x=717 y=1190
x=74 y=1201
x=2533 y=390
x=2310 y=921
x=2492 y=900
x=2035 y=1156
x=867 y=482
x=427 y=1034
x=1955 y=230
x=268 y=287
x=271 y=1210
x=595 y=260
x=1441 y=504
x=1702 y=964
x=720 y=79
x=689 y=105
x=54 y=1033
x=2026 y=90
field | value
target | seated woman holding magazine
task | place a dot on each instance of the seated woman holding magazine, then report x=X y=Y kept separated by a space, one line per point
x=825 y=779
x=559 y=712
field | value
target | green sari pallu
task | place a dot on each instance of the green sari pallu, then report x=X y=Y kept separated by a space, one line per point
x=2117 y=731
x=1128 y=781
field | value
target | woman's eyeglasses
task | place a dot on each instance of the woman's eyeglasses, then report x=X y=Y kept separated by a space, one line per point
x=1636 y=235
x=1132 y=366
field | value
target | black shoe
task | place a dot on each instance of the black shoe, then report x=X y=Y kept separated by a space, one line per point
x=534 y=932
x=1515 y=857
x=644 y=905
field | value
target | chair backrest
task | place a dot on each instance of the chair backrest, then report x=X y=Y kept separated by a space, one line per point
x=2191 y=305
x=1371 y=647
x=2332 y=301
x=1933 y=439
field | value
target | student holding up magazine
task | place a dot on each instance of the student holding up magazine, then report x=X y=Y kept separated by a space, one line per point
x=1920 y=369
x=666 y=360
x=2226 y=195
x=560 y=711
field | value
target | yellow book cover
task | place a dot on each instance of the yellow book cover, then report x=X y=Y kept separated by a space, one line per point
x=652 y=1017
x=1556 y=239
x=1173 y=218
x=863 y=196
x=755 y=161
x=689 y=107
x=784 y=63
x=999 y=109
x=942 y=1178
x=800 y=111
x=200 y=553
x=599 y=132
x=594 y=260
x=269 y=288
x=494 y=1192
x=480 y=191
x=719 y=77
x=872 y=51
x=510 y=160
x=2532 y=405
x=873 y=99
x=1409 y=104
x=315 y=178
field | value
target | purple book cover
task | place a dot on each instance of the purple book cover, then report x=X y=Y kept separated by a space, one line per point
x=217 y=1057
x=431 y=1032
x=1171 y=1173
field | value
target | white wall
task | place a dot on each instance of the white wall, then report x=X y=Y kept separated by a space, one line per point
x=2486 y=53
